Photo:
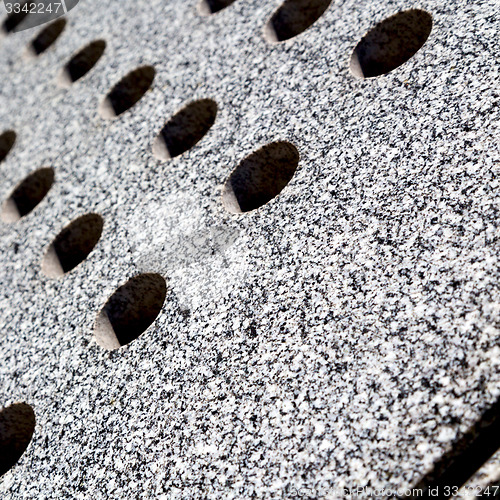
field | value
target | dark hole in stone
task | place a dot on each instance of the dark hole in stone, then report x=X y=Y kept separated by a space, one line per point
x=185 y=129
x=260 y=177
x=128 y=91
x=130 y=311
x=294 y=17
x=72 y=246
x=81 y=63
x=28 y=194
x=213 y=6
x=48 y=36
x=391 y=43
x=7 y=140
x=17 y=424
x=13 y=20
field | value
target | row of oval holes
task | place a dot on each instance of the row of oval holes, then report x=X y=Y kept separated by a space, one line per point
x=256 y=180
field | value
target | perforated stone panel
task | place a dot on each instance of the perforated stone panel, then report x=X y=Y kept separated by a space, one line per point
x=331 y=312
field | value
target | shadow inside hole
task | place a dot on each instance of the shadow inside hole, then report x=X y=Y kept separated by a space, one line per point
x=81 y=63
x=73 y=245
x=391 y=43
x=128 y=91
x=260 y=177
x=28 y=195
x=17 y=424
x=47 y=37
x=7 y=141
x=294 y=17
x=208 y=7
x=14 y=19
x=130 y=311
x=185 y=129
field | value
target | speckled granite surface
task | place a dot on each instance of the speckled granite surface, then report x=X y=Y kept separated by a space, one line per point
x=343 y=335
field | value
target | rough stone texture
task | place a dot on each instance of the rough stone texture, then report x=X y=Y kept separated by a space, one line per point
x=345 y=334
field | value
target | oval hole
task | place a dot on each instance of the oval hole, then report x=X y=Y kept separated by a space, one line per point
x=391 y=43
x=47 y=37
x=17 y=424
x=81 y=63
x=73 y=245
x=130 y=311
x=185 y=129
x=294 y=17
x=260 y=177
x=7 y=141
x=208 y=7
x=127 y=92
x=14 y=19
x=28 y=195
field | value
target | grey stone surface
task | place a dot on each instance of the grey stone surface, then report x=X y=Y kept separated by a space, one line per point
x=344 y=334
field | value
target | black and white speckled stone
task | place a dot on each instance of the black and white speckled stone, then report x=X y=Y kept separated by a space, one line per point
x=344 y=334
